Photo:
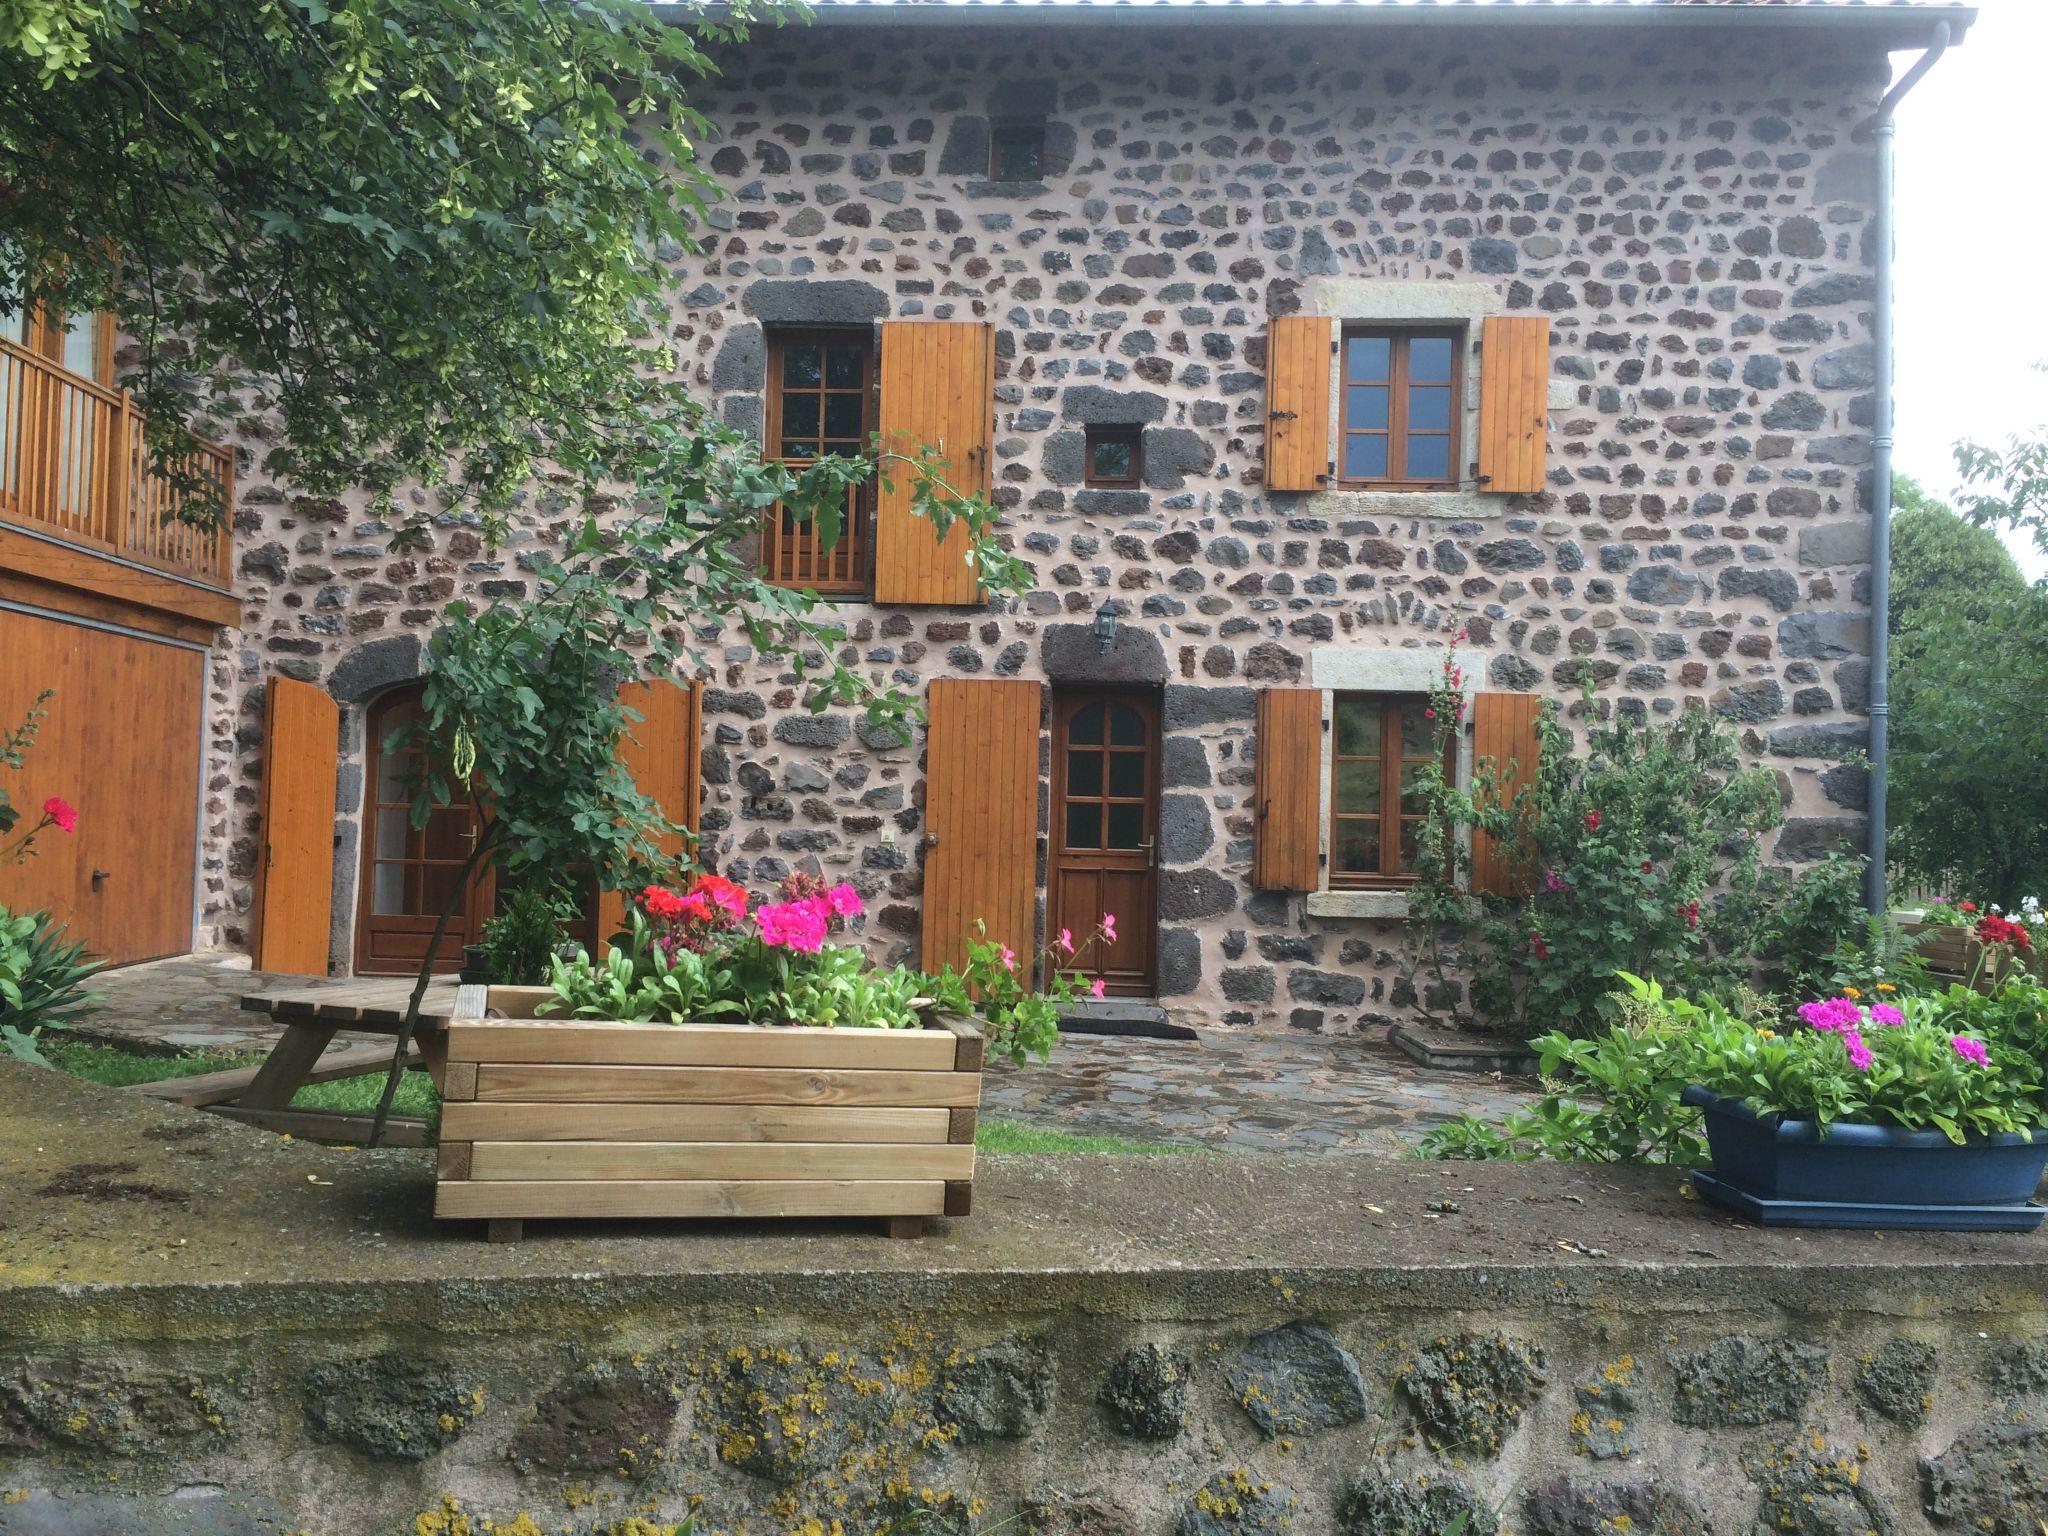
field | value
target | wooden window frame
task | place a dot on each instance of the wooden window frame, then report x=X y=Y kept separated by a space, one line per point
x=859 y=582
x=1003 y=127
x=1389 y=876
x=1396 y=433
x=1092 y=436
x=43 y=333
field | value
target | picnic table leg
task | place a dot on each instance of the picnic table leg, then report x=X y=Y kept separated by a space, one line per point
x=284 y=1070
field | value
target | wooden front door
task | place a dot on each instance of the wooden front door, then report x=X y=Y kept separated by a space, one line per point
x=1105 y=830
x=408 y=871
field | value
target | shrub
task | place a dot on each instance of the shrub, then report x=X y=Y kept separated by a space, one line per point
x=519 y=943
x=1641 y=851
x=42 y=981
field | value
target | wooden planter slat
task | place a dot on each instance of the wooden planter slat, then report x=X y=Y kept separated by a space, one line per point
x=691 y=1197
x=578 y=1084
x=705 y=1122
x=643 y=1160
x=591 y=1118
x=707 y=1045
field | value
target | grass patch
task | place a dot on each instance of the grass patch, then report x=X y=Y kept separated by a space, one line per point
x=1039 y=1141
x=117 y=1068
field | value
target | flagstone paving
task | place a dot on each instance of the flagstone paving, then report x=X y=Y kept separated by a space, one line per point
x=1229 y=1089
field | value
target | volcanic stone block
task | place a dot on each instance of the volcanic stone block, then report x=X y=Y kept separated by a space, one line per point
x=1297 y=1378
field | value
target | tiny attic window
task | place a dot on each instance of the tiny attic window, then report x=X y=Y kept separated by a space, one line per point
x=1114 y=457
x=1016 y=149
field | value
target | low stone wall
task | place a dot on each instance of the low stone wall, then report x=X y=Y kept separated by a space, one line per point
x=1372 y=1405
x=209 y=1331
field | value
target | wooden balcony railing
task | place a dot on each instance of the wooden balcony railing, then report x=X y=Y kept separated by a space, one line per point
x=73 y=460
x=792 y=554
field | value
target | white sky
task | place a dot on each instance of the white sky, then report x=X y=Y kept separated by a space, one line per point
x=1972 y=263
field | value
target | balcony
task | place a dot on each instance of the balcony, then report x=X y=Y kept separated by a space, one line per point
x=73 y=465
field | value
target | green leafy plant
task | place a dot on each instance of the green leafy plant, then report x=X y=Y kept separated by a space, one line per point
x=1640 y=848
x=42 y=981
x=640 y=982
x=1020 y=1020
x=520 y=941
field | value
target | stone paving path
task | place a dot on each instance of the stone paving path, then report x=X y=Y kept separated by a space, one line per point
x=1231 y=1090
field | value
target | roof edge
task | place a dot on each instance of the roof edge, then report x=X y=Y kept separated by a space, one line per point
x=1898 y=25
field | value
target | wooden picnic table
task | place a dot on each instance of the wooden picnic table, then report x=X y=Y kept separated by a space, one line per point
x=312 y=1015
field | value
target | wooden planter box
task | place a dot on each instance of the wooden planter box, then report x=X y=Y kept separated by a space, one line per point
x=580 y=1118
x=1955 y=952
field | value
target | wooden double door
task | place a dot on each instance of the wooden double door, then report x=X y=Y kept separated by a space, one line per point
x=1103 y=843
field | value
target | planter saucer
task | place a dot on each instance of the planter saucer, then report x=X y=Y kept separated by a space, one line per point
x=1837 y=1213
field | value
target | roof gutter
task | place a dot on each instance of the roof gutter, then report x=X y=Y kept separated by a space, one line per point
x=1880 y=127
x=1898 y=26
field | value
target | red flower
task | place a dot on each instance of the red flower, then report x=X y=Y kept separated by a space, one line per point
x=661 y=903
x=1592 y=821
x=1646 y=866
x=1691 y=913
x=1537 y=947
x=62 y=813
x=1967 y=906
x=1992 y=929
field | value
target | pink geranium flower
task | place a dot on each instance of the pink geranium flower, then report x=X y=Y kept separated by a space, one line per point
x=61 y=812
x=1887 y=1015
x=845 y=900
x=1009 y=958
x=1098 y=989
x=1859 y=1053
x=1970 y=1050
x=1109 y=926
x=1067 y=940
x=797 y=925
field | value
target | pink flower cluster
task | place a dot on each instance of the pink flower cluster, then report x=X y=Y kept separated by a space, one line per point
x=1844 y=1016
x=802 y=924
x=1970 y=1050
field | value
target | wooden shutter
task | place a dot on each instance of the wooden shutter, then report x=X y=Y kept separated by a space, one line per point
x=665 y=755
x=1504 y=729
x=938 y=391
x=980 y=815
x=294 y=905
x=1288 y=789
x=1514 y=403
x=1298 y=402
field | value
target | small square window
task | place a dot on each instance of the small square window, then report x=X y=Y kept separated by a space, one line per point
x=1016 y=151
x=1115 y=457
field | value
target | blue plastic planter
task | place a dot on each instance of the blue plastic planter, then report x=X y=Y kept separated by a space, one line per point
x=1783 y=1172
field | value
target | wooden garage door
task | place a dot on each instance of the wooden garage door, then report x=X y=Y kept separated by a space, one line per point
x=121 y=743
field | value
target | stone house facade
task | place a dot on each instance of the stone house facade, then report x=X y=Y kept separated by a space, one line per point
x=1253 y=303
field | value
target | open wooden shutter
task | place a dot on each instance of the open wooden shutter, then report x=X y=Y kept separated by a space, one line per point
x=938 y=391
x=294 y=905
x=665 y=755
x=980 y=815
x=1298 y=402
x=1514 y=402
x=1287 y=789
x=1504 y=729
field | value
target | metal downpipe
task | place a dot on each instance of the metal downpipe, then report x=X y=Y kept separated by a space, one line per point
x=1879 y=126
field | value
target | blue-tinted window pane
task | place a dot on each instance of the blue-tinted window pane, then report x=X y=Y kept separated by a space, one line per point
x=800 y=416
x=1365 y=458
x=1429 y=408
x=1429 y=458
x=1365 y=358
x=800 y=366
x=1086 y=726
x=1366 y=406
x=1429 y=359
x=842 y=415
x=1084 y=824
x=1084 y=773
x=843 y=367
x=1126 y=727
x=1127 y=774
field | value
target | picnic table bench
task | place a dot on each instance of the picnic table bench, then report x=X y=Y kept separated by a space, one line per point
x=312 y=1015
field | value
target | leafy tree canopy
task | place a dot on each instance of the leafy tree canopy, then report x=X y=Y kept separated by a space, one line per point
x=428 y=234
x=2008 y=483
x=1969 y=669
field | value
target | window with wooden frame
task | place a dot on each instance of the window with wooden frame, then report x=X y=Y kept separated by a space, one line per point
x=820 y=401
x=1016 y=149
x=1115 y=459
x=1397 y=415
x=1379 y=743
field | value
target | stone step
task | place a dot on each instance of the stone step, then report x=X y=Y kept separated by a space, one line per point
x=1121 y=1016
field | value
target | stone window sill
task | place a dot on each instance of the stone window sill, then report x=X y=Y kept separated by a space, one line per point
x=1380 y=904
x=1441 y=506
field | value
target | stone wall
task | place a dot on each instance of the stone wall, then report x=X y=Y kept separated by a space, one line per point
x=1691 y=217
x=1374 y=1403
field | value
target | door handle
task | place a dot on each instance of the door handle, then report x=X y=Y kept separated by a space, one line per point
x=100 y=877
